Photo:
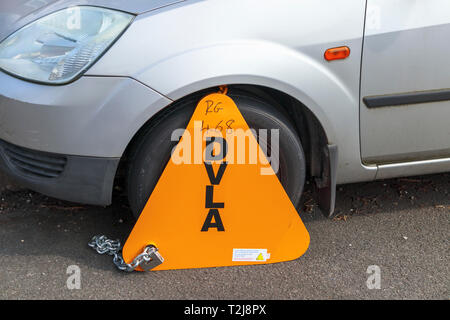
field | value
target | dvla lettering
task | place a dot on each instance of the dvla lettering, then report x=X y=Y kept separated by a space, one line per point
x=213 y=219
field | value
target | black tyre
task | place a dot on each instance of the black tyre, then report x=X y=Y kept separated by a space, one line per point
x=151 y=152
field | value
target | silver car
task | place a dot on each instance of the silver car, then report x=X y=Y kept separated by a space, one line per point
x=90 y=90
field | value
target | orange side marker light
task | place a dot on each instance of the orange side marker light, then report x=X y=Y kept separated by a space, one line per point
x=337 y=53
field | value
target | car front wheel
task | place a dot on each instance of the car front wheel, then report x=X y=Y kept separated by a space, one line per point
x=150 y=154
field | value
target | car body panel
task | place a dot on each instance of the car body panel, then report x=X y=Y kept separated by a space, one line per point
x=405 y=51
x=287 y=56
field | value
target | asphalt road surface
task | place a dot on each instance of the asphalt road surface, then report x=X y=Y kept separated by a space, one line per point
x=401 y=226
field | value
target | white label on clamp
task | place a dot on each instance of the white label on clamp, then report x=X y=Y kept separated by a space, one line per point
x=250 y=255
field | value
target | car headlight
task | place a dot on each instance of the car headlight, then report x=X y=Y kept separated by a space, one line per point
x=59 y=47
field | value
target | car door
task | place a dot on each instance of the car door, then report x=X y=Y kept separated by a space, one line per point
x=405 y=81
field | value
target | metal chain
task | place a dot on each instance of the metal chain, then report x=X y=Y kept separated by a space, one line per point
x=102 y=245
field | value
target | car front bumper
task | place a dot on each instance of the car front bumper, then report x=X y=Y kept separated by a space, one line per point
x=66 y=141
x=86 y=180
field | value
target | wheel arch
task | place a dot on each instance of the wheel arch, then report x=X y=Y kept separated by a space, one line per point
x=312 y=135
